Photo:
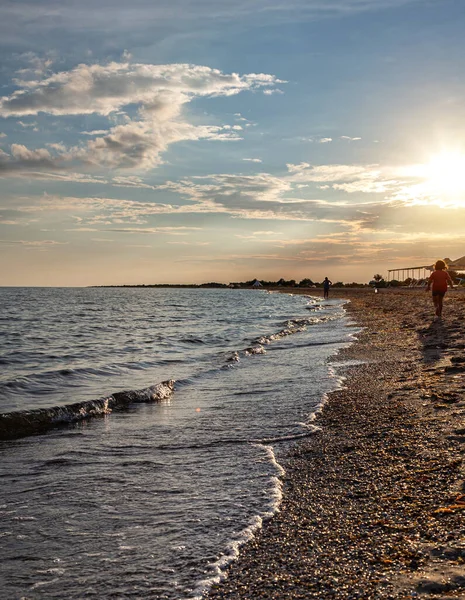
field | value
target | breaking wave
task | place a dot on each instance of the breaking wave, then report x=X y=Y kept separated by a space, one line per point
x=27 y=422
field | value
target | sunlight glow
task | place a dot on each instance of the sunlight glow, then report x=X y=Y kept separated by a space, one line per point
x=441 y=181
x=446 y=173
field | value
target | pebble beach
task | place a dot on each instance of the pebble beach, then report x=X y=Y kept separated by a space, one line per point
x=374 y=502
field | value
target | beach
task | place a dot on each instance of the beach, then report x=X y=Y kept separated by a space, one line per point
x=374 y=502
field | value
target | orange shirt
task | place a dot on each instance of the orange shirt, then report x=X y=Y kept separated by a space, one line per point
x=439 y=280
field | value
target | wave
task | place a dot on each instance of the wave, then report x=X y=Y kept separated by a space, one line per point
x=218 y=568
x=18 y=424
x=291 y=327
x=291 y=437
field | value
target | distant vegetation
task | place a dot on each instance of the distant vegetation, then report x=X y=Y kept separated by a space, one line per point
x=288 y=283
x=377 y=281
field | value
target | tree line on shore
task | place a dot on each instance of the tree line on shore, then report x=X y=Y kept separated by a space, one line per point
x=304 y=283
x=377 y=281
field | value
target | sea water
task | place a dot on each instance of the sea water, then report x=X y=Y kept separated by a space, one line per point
x=149 y=493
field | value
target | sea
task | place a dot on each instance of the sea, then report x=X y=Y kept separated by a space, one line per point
x=144 y=431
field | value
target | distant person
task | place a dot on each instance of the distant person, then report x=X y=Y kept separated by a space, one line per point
x=326 y=285
x=438 y=280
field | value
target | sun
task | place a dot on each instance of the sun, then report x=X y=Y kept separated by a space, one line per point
x=445 y=173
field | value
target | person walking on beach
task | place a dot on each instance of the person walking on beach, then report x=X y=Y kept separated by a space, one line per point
x=326 y=284
x=438 y=280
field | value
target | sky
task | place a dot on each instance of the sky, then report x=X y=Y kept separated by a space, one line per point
x=191 y=141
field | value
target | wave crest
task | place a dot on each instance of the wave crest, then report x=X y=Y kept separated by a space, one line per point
x=18 y=424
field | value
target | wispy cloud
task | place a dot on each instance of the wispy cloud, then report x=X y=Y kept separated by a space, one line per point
x=32 y=243
x=157 y=230
x=25 y=125
x=190 y=243
x=273 y=91
x=95 y=132
x=117 y=16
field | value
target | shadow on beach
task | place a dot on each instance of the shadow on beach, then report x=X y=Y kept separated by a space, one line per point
x=434 y=340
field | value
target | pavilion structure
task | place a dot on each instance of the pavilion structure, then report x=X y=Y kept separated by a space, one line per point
x=424 y=271
x=413 y=272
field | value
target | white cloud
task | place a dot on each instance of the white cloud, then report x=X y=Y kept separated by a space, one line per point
x=32 y=243
x=190 y=243
x=253 y=160
x=102 y=89
x=297 y=168
x=350 y=139
x=315 y=139
x=131 y=181
x=368 y=186
x=27 y=124
x=306 y=172
x=159 y=93
x=2 y=135
x=95 y=132
x=157 y=230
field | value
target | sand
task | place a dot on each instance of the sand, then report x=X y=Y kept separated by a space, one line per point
x=374 y=502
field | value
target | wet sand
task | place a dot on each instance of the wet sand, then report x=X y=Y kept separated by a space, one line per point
x=374 y=502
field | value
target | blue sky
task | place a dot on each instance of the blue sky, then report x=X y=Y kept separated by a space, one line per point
x=193 y=141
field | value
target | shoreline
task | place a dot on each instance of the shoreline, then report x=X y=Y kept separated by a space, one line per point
x=374 y=503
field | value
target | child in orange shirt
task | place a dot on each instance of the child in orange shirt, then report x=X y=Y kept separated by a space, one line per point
x=438 y=280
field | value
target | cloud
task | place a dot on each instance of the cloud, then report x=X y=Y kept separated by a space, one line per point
x=350 y=139
x=264 y=196
x=131 y=181
x=190 y=243
x=368 y=186
x=350 y=199
x=95 y=132
x=22 y=158
x=322 y=173
x=157 y=230
x=110 y=18
x=154 y=95
x=102 y=89
x=254 y=160
x=34 y=125
x=325 y=140
x=32 y=243
x=38 y=65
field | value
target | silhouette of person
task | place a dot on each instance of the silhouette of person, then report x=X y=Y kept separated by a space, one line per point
x=438 y=280
x=326 y=285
